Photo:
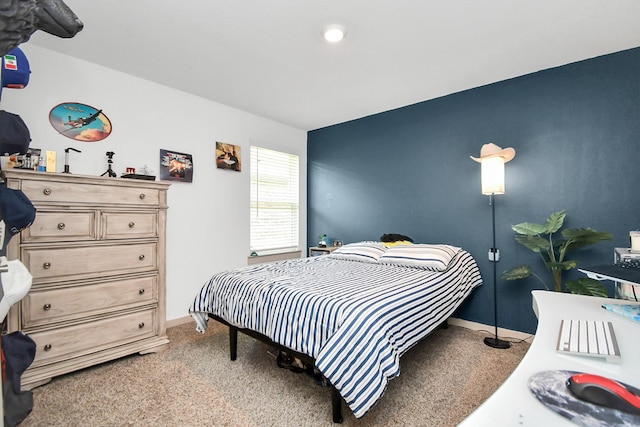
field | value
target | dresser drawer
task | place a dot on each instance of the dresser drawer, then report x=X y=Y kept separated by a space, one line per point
x=89 y=261
x=44 y=306
x=78 y=340
x=61 y=226
x=123 y=225
x=48 y=191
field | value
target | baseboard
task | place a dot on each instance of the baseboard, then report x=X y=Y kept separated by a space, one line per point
x=180 y=321
x=502 y=333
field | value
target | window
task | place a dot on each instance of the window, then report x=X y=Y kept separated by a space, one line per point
x=274 y=200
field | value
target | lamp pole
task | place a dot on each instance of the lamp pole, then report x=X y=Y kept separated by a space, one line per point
x=494 y=256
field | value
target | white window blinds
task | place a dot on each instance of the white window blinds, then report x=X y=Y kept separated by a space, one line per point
x=274 y=200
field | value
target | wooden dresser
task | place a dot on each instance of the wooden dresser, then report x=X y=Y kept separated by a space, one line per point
x=96 y=251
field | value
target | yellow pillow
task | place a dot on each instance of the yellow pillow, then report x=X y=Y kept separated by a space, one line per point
x=397 y=243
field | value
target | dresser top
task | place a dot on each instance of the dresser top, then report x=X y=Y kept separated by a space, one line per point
x=84 y=179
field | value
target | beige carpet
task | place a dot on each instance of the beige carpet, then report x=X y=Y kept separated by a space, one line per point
x=193 y=383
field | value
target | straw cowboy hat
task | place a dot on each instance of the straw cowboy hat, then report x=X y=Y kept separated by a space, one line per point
x=492 y=150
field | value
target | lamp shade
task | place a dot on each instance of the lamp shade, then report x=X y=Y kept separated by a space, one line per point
x=492 y=175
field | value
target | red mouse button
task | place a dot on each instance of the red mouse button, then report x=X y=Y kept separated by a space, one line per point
x=612 y=385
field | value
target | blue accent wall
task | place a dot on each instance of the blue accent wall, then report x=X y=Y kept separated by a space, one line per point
x=576 y=132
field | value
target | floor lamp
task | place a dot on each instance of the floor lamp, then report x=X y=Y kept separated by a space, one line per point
x=492 y=159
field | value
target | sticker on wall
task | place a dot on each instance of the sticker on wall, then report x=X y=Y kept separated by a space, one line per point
x=228 y=157
x=80 y=122
x=176 y=166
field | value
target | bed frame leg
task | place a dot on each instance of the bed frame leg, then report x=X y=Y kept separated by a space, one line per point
x=336 y=405
x=233 y=342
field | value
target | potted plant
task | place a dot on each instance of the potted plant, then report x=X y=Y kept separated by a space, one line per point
x=323 y=240
x=541 y=238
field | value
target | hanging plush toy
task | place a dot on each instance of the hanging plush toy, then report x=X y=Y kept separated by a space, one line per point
x=21 y=18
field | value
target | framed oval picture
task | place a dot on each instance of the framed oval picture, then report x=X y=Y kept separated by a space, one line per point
x=80 y=122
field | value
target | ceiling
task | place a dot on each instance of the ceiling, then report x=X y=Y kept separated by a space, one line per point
x=267 y=57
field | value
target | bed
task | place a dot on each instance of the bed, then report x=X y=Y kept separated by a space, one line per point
x=353 y=313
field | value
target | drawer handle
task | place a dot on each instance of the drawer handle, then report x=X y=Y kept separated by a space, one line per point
x=46 y=191
x=46 y=307
x=61 y=226
x=46 y=265
x=142 y=196
x=47 y=347
x=141 y=291
x=141 y=257
x=132 y=224
x=141 y=325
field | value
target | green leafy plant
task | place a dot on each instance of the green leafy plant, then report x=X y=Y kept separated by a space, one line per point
x=541 y=238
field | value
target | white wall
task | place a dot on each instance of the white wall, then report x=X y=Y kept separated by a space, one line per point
x=208 y=220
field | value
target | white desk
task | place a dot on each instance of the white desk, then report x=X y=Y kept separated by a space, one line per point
x=514 y=405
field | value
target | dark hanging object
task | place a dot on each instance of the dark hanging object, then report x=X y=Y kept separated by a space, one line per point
x=21 y=18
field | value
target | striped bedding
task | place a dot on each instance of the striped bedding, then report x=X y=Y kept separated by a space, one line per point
x=355 y=318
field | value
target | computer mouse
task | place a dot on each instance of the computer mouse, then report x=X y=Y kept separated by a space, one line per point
x=604 y=392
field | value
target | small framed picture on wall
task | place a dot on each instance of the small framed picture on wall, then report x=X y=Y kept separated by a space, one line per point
x=175 y=166
x=228 y=156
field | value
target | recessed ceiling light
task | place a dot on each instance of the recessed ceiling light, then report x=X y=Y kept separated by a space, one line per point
x=334 y=33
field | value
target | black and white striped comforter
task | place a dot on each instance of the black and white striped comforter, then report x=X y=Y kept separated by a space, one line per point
x=355 y=318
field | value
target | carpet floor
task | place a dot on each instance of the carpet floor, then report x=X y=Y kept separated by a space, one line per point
x=193 y=383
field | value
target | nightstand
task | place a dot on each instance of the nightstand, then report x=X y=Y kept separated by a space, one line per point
x=317 y=250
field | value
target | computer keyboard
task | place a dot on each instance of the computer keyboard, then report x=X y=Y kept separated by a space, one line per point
x=588 y=338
